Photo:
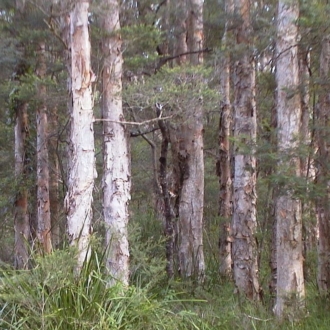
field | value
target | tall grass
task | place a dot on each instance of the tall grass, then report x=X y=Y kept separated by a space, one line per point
x=50 y=296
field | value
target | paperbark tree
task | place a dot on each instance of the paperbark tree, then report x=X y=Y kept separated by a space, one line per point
x=82 y=160
x=21 y=215
x=116 y=177
x=191 y=161
x=290 y=280
x=43 y=205
x=322 y=133
x=224 y=164
x=244 y=224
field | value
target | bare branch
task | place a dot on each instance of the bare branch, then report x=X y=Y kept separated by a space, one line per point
x=134 y=123
x=164 y=60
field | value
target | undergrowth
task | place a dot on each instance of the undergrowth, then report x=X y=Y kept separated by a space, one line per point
x=50 y=296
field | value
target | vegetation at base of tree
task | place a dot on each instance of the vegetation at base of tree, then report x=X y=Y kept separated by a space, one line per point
x=49 y=296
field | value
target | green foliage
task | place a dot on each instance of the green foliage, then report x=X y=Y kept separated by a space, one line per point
x=180 y=90
x=49 y=296
x=140 y=43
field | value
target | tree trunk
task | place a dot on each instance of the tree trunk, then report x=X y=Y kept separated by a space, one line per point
x=43 y=206
x=244 y=224
x=323 y=208
x=180 y=31
x=191 y=203
x=116 y=177
x=163 y=179
x=223 y=164
x=188 y=145
x=307 y=164
x=21 y=215
x=290 y=280
x=82 y=160
x=54 y=177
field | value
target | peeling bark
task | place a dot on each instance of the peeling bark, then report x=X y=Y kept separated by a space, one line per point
x=290 y=279
x=82 y=160
x=116 y=177
x=244 y=223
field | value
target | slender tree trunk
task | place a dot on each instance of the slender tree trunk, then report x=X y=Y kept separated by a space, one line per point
x=82 y=160
x=21 y=215
x=54 y=176
x=323 y=208
x=116 y=177
x=307 y=165
x=244 y=224
x=224 y=164
x=290 y=280
x=43 y=205
x=169 y=225
x=181 y=31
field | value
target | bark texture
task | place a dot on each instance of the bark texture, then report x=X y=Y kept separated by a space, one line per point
x=189 y=156
x=82 y=160
x=116 y=177
x=191 y=204
x=323 y=208
x=54 y=177
x=169 y=225
x=224 y=164
x=21 y=215
x=290 y=280
x=43 y=205
x=244 y=246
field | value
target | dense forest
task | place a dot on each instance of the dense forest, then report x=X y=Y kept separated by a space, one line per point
x=164 y=164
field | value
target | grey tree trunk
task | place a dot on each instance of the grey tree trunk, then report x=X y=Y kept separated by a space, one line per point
x=43 y=202
x=180 y=31
x=54 y=177
x=116 y=177
x=244 y=224
x=82 y=160
x=21 y=215
x=224 y=164
x=190 y=157
x=290 y=280
x=323 y=208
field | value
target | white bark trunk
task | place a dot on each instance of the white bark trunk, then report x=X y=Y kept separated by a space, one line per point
x=244 y=222
x=82 y=160
x=290 y=280
x=116 y=177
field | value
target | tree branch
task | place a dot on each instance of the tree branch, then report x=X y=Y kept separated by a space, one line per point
x=164 y=60
x=134 y=123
